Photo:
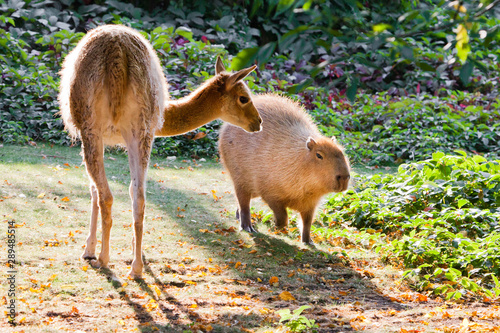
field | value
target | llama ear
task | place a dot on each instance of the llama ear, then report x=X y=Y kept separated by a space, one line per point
x=238 y=76
x=310 y=143
x=334 y=139
x=219 y=66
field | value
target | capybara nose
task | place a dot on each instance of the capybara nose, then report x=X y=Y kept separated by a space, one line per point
x=343 y=177
x=343 y=181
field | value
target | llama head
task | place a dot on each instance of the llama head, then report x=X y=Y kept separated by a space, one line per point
x=237 y=107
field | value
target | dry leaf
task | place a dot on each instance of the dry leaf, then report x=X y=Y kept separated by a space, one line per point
x=65 y=199
x=41 y=195
x=274 y=281
x=199 y=135
x=286 y=296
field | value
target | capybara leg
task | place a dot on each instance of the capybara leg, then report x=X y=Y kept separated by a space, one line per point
x=307 y=219
x=244 y=212
x=280 y=215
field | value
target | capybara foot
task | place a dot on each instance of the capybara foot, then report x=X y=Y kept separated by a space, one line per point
x=249 y=228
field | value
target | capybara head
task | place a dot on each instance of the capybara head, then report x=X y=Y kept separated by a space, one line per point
x=328 y=164
x=238 y=108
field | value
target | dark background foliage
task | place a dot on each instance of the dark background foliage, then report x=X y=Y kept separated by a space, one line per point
x=393 y=81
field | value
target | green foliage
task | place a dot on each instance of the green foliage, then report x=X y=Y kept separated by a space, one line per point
x=406 y=46
x=439 y=217
x=381 y=128
x=297 y=322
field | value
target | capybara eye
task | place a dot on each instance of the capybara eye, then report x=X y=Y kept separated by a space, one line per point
x=318 y=155
x=244 y=99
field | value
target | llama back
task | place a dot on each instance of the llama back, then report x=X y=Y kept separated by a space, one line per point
x=107 y=65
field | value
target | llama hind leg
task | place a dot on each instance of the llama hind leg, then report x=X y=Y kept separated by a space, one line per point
x=89 y=252
x=138 y=156
x=93 y=153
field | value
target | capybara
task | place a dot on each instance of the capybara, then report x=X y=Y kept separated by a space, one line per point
x=288 y=164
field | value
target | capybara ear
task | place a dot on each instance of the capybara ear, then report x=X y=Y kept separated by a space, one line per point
x=238 y=76
x=219 y=66
x=310 y=143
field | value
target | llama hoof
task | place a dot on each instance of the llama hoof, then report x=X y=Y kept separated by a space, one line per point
x=88 y=256
x=96 y=263
x=135 y=275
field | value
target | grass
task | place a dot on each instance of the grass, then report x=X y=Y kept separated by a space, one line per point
x=201 y=274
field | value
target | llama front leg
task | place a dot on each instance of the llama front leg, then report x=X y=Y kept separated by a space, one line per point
x=93 y=153
x=89 y=252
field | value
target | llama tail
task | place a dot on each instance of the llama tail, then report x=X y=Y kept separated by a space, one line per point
x=116 y=78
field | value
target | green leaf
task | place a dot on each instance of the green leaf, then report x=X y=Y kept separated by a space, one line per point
x=437 y=156
x=244 y=58
x=296 y=88
x=352 y=90
x=462 y=202
x=283 y=6
x=185 y=32
x=378 y=28
x=466 y=71
x=265 y=52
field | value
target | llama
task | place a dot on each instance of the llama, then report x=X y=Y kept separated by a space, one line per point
x=113 y=91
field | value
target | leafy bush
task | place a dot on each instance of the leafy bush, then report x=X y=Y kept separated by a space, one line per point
x=379 y=128
x=404 y=47
x=440 y=218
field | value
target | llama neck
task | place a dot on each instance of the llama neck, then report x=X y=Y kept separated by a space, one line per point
x=188 y=113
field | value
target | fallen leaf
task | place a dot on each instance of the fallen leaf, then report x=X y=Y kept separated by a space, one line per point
x=41 y=195
x=65 y=199
x=286 y=296
x=274 y=281
x=213 y=194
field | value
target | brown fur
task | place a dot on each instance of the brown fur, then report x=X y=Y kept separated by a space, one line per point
x=280 y=163
x=113 y=91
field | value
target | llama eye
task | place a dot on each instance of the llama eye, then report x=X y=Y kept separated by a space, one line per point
x=318 y=155
x=244 y=99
